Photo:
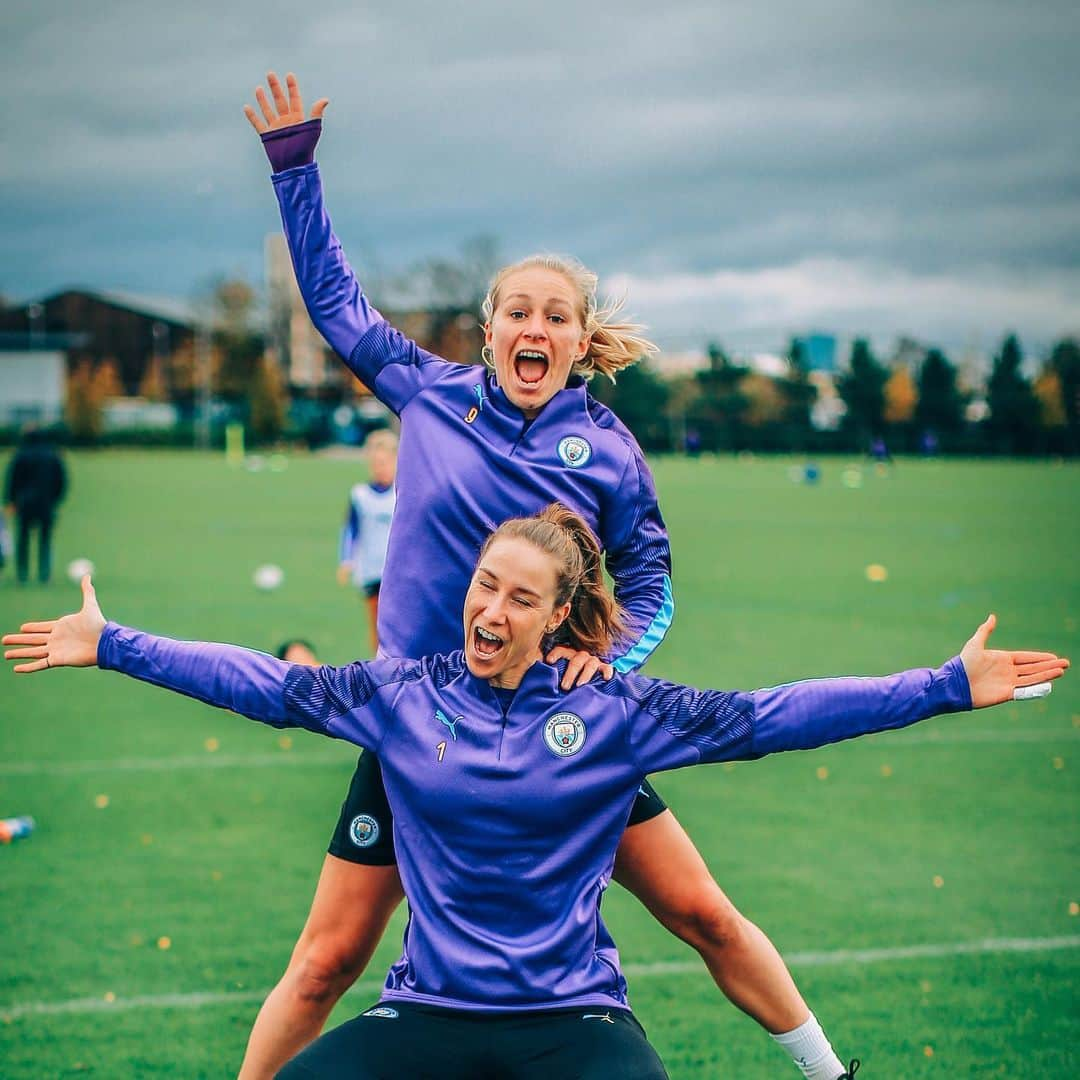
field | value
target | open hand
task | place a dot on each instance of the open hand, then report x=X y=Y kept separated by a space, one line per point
x=995 y=674
x=68 y=642
x=285 y=111
x=581 y=666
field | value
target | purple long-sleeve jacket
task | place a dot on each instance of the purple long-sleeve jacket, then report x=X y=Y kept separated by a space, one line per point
x=509 y=821
x=469 y=459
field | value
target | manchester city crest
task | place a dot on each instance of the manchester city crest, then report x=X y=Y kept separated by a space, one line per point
x=574 y=451
x=364 y=830
x=564 y=734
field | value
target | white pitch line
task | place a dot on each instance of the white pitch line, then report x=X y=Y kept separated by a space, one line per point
x=835 y=958
x=168 y=764
x=264 y=761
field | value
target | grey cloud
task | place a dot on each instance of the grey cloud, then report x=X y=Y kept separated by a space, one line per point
x=933 y=137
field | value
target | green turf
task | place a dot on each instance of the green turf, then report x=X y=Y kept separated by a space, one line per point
x=824 y=850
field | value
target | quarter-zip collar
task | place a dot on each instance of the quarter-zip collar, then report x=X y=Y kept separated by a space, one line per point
x=567 y=404
x=539 y=687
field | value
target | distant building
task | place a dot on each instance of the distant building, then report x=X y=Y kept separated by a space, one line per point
x=668 y=365
x=908 y=353
x=820 y=351
x=33 y=377
x=452 y=334
x=128 y=329
x=298 y=346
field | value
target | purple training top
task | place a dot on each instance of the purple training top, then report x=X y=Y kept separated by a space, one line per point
x=509 y=822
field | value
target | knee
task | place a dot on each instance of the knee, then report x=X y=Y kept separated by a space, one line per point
x=323 y=968
x=708 y=922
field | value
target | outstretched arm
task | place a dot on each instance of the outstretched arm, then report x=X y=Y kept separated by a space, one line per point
x=244 y=681
x=683 y=726
x=387 y=362
x=807 y=714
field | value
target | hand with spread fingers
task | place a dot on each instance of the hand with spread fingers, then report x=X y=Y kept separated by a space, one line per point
x=68 y=642
x=996 y=675
x=287 y=109
x=581 y=666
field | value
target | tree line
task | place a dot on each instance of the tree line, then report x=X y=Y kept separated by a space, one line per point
x=907 y=408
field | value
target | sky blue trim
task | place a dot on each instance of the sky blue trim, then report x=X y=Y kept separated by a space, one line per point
x=653 y=635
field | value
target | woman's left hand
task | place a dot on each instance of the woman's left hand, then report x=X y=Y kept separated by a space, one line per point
x=996 y=674
x=581 y=666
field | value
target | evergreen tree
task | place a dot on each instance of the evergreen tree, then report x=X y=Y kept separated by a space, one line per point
x=799 y=393
x=717 y=413
x=1015 y=415
x=1065 y=360
x=862 y=389
x=940 y=408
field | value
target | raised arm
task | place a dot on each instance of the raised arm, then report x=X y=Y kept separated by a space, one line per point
x=329 y=701
x=388 y=363
x=677 y=725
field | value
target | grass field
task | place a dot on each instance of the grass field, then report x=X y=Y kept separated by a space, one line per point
x=924 y=884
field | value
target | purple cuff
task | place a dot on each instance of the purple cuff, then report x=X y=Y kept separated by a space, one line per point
x=291 y=146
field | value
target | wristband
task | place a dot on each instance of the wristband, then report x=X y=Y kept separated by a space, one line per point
x=291 y=146
x=1028 y=693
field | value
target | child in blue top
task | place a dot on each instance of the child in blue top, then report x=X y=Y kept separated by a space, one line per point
x=366 y=532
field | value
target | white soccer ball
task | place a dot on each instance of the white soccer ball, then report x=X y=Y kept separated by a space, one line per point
x=268 y=577
x=77 y=569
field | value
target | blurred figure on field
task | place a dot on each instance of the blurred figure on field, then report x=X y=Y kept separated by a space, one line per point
x=367 y=525
x=928 y=443
x=297 y=651
x=36 y=482
x=879 y=451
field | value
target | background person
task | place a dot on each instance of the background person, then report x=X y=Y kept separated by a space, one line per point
x=478 y=447
x=366 y=532
x=35 y=485
x=505 y=923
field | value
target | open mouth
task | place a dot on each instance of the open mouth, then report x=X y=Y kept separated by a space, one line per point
x=485 y=643
x=530 y=366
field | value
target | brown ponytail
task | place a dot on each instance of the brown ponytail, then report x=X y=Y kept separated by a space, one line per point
x=596 y=624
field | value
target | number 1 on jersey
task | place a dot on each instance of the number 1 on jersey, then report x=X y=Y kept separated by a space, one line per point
x=440 y=750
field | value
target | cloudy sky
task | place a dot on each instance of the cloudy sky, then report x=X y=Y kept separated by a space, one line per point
x=740 y=170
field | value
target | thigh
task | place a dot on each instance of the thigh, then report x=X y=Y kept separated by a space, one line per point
x=388 y=1042
x=349 y=913
x=579 y=1044
x=658 y=862
x=365 y=829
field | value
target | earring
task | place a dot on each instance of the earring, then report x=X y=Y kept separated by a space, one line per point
x=487 y=355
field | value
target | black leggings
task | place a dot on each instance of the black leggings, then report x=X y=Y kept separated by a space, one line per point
x=26 y=524
x=399 y=1040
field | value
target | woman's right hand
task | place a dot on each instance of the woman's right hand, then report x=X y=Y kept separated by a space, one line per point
x=286 y=111
x=68 y=642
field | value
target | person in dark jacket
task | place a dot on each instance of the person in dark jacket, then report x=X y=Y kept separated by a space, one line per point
x=36 y=483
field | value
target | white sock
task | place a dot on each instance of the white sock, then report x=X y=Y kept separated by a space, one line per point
x=811 y=1051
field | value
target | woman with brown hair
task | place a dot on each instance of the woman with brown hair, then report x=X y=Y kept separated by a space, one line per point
x=511 y=795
